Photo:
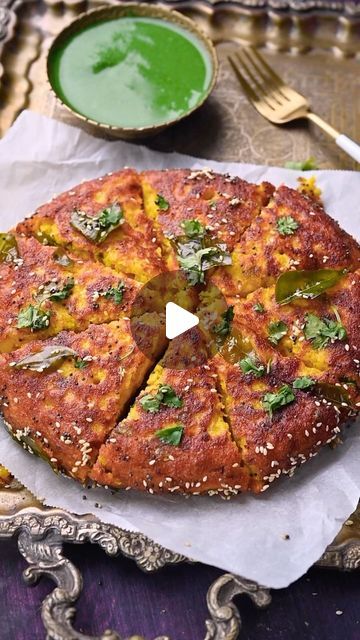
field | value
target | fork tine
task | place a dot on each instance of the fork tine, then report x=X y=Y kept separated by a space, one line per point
x=270 y=85
x=279 y=82
x=262 y=90
x=248 y=90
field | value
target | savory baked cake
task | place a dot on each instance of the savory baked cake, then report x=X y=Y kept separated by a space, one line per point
x=88 y=380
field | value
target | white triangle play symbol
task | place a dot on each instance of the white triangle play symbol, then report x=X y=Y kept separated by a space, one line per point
x=178 y=320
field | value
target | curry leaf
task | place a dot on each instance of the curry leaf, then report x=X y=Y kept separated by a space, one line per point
x=333 y=393
x=50 y=356
x=8 y=247
x=305 y=284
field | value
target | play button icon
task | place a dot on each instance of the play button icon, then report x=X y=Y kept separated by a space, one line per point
x=178 y=320
x=177 y=311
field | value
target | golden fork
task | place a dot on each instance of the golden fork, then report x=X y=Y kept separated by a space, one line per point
x=278 y=102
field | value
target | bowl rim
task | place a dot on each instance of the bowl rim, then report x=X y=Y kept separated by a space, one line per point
x=117 y=11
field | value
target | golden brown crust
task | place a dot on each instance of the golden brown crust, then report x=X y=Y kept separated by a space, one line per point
x=89 y=299
x=206 y=459
x=66 y=413
x=79 y=418
x=264 y=253
x=132 y=248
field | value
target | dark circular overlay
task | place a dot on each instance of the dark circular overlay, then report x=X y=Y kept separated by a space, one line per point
x=193 y=347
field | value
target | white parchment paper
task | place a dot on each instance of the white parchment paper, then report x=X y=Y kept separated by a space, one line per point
x=40 y=157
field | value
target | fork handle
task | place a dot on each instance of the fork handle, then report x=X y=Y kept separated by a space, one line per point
x=349 y=146
x=346 y=144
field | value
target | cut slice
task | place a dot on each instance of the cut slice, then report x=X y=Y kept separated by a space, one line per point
x=322 y=333
x=123 y=238
x=226 y=205
x=175 y=438
x=52 y=291
x=293 y=231
x=278 y=427
x=63 y=407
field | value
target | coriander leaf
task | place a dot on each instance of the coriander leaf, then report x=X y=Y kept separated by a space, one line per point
x=286 y=226
x=195 y=258
x=150 y=403
x=48 y=357
x=276 y=331
x=98 y=227
x=117 y=293
x=223 y=327
x=304 y=382
x=193 y=228
x=162 y=203
x=165 y=395
x=51 y=291
x=251 y=365
x=171 y=435
x=305 y=284
x=169 y=397
x=273 y=401
x=258 y=307
x=308 y=165
x=34 y=318
x=80 y=363
x=8 y=247
x=320 y=331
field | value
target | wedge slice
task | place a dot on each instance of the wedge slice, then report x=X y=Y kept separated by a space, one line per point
x=124 y=239
x=292 y=232
x=179 y=443
x=64 y=405
x=44 y=291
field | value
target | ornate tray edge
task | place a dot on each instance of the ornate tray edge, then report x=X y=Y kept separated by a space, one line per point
x=41 y=534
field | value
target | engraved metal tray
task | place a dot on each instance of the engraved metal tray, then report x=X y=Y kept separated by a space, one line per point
x=315 y=44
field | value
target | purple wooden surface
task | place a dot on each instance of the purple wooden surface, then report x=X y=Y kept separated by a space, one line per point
x=118 y=595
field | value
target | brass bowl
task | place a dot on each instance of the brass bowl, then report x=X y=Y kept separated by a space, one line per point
x=118 y=11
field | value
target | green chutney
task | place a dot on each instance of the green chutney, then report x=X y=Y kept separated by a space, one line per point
x=131 y=71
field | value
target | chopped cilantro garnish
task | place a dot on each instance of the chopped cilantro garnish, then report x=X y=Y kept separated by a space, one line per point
x=286 y=226
x=161 y=202
x=171 y=435
x=258 y=307
x=276 y=331
x=304 y=382
x=321 y=331
x=223 y=327
x=196 y=255
x=307 y=165
x=54 y=292
x=98 y=227
x=193 y=228
x=116 y=293
x=251 y=365
x=34 y=318
x=165 y=396
x=80 y=363
x=273 y=401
